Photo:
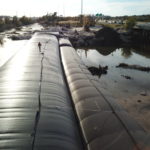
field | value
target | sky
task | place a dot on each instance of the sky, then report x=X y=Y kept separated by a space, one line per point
x=37 y=8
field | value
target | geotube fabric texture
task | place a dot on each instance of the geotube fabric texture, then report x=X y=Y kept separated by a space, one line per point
x=105 y=125
x=36 y=110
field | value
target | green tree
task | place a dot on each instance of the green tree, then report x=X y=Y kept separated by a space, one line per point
x=25 y=20
x=130 y=23
x=1 y=23
x=16 y=21
x=7 y=20
x=1 y=41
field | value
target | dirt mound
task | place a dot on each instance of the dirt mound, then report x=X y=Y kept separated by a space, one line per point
x=107 y=36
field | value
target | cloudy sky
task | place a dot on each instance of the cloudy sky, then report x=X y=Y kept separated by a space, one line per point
x=73 y=7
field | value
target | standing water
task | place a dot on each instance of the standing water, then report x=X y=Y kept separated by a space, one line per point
x=9 y=47
x=132 y=92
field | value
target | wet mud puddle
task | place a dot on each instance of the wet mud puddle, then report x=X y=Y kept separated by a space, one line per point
x=130 y=86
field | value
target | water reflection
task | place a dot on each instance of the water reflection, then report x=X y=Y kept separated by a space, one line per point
x=102 y=50
x=128 y=87
x=114 y=80
x=106 y=50
x=126 y=52
x=143 y=50
x=1 y=41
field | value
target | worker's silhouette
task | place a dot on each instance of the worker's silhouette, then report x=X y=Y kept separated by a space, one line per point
x=39 y=45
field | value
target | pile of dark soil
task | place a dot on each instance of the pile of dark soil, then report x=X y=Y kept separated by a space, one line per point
x=104 y=37
x=107 y=36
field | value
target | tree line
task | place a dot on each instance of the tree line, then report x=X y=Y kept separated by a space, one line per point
x=13 y=22
x=145 y=18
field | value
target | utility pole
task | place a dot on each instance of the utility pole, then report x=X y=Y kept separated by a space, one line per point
x=81 y=7
x=63 y=9
x=81 y=21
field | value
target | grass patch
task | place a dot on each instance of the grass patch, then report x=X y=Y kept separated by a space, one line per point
x=114 y=26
